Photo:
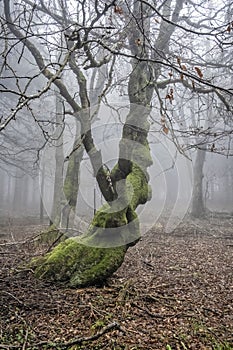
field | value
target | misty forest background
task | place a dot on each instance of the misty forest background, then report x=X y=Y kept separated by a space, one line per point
x=195 y=117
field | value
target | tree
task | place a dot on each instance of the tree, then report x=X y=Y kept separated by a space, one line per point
x=153 y=43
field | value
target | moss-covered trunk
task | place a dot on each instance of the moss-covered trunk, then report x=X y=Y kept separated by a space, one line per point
x=71 y=184
x=91 y=258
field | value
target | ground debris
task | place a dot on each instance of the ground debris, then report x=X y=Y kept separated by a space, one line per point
x=174 y=291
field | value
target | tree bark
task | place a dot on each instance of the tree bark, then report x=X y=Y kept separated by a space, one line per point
x=115 y=227
x=198 y=208
x=71 y=183
x=59 y=161
x=94 y=256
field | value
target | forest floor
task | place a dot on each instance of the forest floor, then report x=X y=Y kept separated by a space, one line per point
x=173 y=291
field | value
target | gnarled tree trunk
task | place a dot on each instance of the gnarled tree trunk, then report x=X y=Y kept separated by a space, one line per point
x=94 y=256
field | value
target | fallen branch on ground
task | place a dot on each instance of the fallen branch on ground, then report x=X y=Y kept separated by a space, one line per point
x=74 y=341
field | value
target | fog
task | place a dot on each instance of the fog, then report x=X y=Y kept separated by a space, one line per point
x=27 y=187
x=183 y=122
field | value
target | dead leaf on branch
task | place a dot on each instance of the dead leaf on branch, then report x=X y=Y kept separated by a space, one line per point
x=199 y=72
x=178 y=60
x=162 y=120
x=118 y=10
x=230 y=27
x=170 y=95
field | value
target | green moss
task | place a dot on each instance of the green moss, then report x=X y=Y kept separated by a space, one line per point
x=71 y=183
x=91 y=258
x=106 y=216
x=112 y=237
x=140 y=186
x=68 y=188
x=80 y=265
x=112 y=228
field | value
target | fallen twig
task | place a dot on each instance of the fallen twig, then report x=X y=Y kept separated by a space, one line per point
x=25 y=340
x=54 y=242
x=29 y=240
x=80 y=340
x=11 y=295
x=3 y=346
x=64 y=345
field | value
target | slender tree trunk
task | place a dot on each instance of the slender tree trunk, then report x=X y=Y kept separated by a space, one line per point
x=59 y=162
x=198 y=207
x=18 y=200
x=42 y=195
x=10 y=186
x=71 y=183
